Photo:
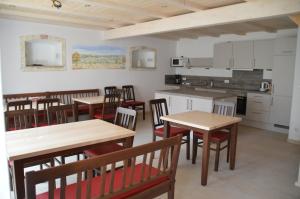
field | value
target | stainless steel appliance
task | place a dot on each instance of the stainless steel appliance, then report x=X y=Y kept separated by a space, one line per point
x=241 y=105
x=264 y=86
x=173 y=79
x=178 y=61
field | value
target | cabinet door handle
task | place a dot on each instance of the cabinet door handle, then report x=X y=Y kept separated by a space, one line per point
x=254 y=62
x=187 y=104
x=272 y=101
x=191 y=104
x=169 y=102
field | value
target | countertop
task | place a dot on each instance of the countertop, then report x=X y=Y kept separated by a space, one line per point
x=196 y=93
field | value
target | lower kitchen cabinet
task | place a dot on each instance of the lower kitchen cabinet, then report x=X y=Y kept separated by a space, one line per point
x=199 y=104
x=258 y=107
x=179 y=104
x=281 y=110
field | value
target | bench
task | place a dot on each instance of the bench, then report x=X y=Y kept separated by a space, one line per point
x=148 y=171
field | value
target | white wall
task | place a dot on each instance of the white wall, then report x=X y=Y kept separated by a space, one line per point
x=203 y=47
x=17 y=81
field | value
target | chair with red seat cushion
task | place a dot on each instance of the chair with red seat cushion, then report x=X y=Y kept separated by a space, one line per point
x=41 y=106
x=148 y=179
x=158 y=108
x=19 y=105
x=218 y=137
x=109 y=107
x=129 y=100
x=124 y=117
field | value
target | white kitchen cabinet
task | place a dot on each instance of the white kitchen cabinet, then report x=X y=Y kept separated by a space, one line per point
x=283 y=75
x=263 y=53
x=179 y=104
x=223 y=55
x=243 y=54
x=285 y=46
x=281 y=110
x=199 y=104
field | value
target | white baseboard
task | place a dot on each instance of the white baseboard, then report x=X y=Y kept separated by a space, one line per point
x=263 y=125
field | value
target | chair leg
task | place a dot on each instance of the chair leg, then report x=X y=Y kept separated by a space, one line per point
x=10 y=179
x=228 y=150
x=153 y=137
x=171 y=192
x=217 y=157
x=188 y=146
x=195 y=146
x=143 y=111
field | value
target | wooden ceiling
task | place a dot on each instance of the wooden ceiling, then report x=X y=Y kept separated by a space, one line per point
x=112 y=14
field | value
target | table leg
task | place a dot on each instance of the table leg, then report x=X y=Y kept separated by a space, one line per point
x=18 y=175
x=128 y=142
x=166 y=129
x=91 y=111
x=205 y=157
x=76 y=110
x=233 y=142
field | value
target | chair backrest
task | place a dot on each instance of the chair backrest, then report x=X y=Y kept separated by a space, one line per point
x=20 y=119
x=224 y=108
x=158 y=108
x=128 y=93
x=110 y=90
x=44 y=104
x=111 y=103
x=19 y=105
x=60 y=114
x=66 y=97
x=126 y=118
x=141 y=168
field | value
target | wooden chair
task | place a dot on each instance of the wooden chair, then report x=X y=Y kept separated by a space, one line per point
x=129 y=100
x=19 y=105
x=218 y=137
x=144 y=177
x=42 y=106
x=158 y=108
x=60 y=115
x=110 y=104
x=110 y=90
x=23 y=119
x=125 y=118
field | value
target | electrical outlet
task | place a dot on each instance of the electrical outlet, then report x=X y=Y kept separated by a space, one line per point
x=226 y=81
x=183 y=78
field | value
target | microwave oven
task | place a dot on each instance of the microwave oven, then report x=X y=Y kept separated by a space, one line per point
x=178 y=62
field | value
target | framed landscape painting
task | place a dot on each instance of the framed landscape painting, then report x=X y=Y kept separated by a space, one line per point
x=102 y=56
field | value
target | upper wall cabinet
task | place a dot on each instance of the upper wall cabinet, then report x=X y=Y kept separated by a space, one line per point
x=243 y=54
x=285 y=46
x=263 y=53
x=223 y=55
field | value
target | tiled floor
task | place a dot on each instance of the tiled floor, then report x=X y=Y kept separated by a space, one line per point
x=266 y=168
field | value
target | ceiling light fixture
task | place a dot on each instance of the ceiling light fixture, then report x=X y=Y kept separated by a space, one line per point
x=57 y=4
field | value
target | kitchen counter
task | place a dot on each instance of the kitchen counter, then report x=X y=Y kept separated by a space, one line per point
x=197 y=93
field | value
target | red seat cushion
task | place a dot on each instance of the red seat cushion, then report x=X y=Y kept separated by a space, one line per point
x=105 y=116
x=95 y=184
x=173 y=131
x=132 y=103
x=83 y=108
x=218 y=136
x=105 y=148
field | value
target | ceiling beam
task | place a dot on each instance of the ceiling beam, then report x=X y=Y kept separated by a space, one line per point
x=52 y=19
x=185 y=5
x=109 y=23
x=131 y=10
x=248 y=11
x=295 y=19
x=167 y=37
x=260 y=26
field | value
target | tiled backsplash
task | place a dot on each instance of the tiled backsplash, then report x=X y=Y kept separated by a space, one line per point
x=242 y=80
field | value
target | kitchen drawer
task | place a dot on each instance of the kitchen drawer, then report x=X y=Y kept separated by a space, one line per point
x=258 y=116
x=257 y=97
x=259 y=105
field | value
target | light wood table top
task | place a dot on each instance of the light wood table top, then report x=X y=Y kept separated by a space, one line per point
x=90 y=100
x=43 y=140
x=201 y=120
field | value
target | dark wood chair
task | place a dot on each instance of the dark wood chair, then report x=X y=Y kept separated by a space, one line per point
x=109 y=107
x=125 y=118
x=61 y=115
x=19 y=105
x=218 y=137
x=110 y=90
x=158 y=108
x=41 y=106
x=141 y=177
x=130 y=101
x=23 y=119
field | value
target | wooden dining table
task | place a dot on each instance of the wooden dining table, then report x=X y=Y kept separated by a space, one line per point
x=31 y=145
x=92 y=103
x=206 y=123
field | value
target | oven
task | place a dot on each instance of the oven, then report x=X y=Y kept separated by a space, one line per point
x=241 y=105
